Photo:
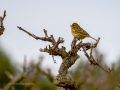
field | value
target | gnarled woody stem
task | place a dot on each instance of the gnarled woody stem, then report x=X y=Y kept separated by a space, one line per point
x=67 y=62
x=61 y=79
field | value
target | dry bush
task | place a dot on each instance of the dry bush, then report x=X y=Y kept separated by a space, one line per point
x=91 y=76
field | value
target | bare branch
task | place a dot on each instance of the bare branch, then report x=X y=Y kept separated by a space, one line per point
x=58 y=42
x=45 y=33
x=4 y=15
x=30 y=75
x=1 y=23
x=95 y=45
x=95 y=62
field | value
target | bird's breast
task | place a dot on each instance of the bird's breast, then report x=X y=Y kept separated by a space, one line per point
x=73 y=32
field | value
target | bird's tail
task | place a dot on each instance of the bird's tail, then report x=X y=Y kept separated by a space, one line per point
x=93 y=38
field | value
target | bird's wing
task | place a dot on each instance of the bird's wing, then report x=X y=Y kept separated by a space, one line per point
x=81 y=31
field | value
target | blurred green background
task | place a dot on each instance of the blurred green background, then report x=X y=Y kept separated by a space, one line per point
x=87 y=77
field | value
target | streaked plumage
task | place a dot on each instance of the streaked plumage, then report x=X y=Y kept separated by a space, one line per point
x=78 y=32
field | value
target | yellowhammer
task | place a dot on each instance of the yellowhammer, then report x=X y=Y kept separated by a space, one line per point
x=78 y=32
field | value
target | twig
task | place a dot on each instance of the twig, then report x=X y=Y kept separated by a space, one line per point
x=58 y=42
x=54 y=59
x=34 y=36
x=45 y=33
x=95 y=45
x=1 y=23
x=4 y=15
x=56 y=46
x=24 y=66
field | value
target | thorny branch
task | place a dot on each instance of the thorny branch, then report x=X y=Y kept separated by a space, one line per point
x=1 y=23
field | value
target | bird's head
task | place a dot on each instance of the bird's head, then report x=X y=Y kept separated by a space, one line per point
x=74 y=25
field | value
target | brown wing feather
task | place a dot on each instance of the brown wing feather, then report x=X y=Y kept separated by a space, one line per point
x=81 y=31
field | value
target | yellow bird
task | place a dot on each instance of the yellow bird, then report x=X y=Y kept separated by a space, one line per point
x=78 y=32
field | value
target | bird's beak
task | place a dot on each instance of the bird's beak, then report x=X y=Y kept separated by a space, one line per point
x=70 y=25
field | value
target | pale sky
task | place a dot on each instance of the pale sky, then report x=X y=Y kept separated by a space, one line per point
x=100 y=18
